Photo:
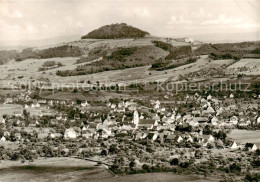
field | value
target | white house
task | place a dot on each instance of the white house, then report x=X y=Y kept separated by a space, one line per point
x=2 y=120
x=209 y=97
x=234 y=146
x=84 y=104
x=70 y=134
x=87 y=134
x=233 y=120
x=179 y=139
x=136 y=117
x=214 y=121
x=18 y=113
x=152 y=136
x=258 y=120
x=3 y=139
x=253 y=148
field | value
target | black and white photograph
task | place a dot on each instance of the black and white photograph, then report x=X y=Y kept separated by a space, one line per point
x=129 y=90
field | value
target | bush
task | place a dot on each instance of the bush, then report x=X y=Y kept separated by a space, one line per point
x=235 y=168
x=174 y=161
x=252 y=177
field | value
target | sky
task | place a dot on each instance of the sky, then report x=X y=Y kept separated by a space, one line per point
x=43 y=19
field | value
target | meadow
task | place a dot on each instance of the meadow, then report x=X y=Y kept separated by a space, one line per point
x=245 y=136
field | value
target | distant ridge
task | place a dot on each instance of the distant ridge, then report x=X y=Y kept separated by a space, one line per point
x=113 y=31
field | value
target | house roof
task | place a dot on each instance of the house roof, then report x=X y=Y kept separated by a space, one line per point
x=146 y=122
x=201 y=119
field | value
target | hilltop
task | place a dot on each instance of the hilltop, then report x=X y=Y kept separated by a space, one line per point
x=113 y=31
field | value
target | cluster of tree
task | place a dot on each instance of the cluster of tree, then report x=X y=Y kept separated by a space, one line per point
x=217 y=56
x=115 y=31
x=163 y=45
x=50 y=65
x=121 y=53
x=96 y=53
x=6 y=56
x=235 y=49
x=161 y=64
x=121 y=58
x=174 y=52
x=61 y=51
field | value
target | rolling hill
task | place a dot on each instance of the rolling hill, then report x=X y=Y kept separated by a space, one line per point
x=113 y=31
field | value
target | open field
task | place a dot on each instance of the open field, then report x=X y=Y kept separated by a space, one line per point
x=58 y=169
x=71 y=169
x=245 y=136
x=246 y=66
x=126 y=76
x=26 y=71
x=11 y=108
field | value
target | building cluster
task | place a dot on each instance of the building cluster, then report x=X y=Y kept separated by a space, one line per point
x=159 y=120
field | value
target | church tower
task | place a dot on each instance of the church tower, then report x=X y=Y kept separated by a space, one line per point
x=136 y=117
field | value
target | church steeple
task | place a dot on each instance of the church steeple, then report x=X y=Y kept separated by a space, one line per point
x=136 y=118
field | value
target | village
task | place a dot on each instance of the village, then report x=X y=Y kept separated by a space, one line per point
x=133 y=136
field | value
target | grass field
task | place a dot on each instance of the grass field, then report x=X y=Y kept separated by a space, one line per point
x=245 y=136
x=11 y=108
x=76 y=170
x=246 y=66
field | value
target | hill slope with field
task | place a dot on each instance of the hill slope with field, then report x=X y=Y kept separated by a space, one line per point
x=127 y=60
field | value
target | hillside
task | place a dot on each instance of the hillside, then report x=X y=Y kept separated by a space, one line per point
x=115 y=31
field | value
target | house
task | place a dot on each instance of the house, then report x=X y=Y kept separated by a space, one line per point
x=42 y=134
x=2 y=120
x=189 y=139
x=147 y=123
x=233 y=120
x=55 y=135
x=70 y=134
x=152 y=136
x=87 y=134
x=33 y=123
x=7 y=133
x=234 y=146
x=251 y=147
x=18 y=113
x=3 y=139
x=84 y=104
x=106 y=133
x=93 y=126
x=210 y=110
x=136 y=117
x=258 y=120
x=214 y=121
x=18 y=136
x=141 y=135
x=244 y=122
x=26 y=106
x=200 y=120
x=170 y=137
x=54 y=121
x=9 y=101
x=219 y=144
x=173 y=137
x=128 y=127
x=206 y=139
x=179 y=139
x=196 y=113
